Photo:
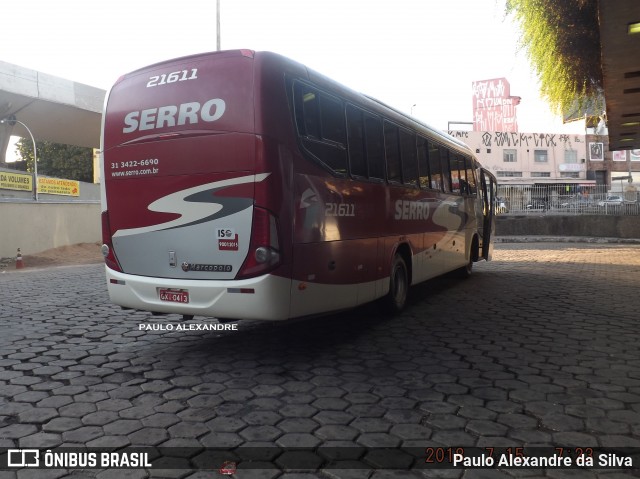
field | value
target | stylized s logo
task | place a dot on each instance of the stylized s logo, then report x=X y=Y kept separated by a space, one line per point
x=196 y=205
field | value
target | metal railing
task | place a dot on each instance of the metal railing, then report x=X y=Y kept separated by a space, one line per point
x=560 y=200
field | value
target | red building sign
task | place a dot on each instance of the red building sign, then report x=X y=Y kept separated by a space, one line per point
x=494 y=109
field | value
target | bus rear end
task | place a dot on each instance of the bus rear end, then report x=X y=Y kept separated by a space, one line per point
x=184 y=229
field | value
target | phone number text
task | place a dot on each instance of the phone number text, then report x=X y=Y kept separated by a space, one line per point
x=134 y=164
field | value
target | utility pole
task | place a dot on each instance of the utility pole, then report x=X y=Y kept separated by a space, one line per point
x=218 y=25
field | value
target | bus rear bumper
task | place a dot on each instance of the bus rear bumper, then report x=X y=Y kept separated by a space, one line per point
x=265 y=297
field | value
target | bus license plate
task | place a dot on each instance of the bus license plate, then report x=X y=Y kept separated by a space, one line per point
x=174 y=295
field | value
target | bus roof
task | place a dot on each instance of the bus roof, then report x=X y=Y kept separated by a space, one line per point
x=229 y=53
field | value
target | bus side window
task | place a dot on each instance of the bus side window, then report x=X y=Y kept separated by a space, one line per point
x=321 y=125
x=332 y=119
x=409 y=157
x=464 y=182
x=457 y=167
x=435 y=168
x=423 y=163
x=374 y=146
x=471 y=178
x=392 y=153
x=355 y=142
x=446 y=170
x=307 y=111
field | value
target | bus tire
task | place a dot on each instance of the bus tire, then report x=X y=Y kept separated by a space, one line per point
x=465 y=271
x=398 y=286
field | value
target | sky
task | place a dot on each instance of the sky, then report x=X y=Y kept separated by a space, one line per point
x=419 y=56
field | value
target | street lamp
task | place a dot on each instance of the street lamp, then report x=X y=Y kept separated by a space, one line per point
x=12 y=121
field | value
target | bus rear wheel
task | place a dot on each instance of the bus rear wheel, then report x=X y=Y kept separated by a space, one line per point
x=398 y=286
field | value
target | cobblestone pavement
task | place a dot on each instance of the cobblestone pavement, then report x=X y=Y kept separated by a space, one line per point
x=538 y=347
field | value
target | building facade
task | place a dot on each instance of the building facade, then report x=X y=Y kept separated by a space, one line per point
x=617 y=169
x=530 y=158
x=536 y=159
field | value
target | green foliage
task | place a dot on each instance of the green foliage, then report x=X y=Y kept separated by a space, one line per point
x=20 y=165
x=58 y=160
x=562 y=40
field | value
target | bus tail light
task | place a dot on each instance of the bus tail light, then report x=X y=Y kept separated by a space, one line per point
x=107 y=247
x=264 y=247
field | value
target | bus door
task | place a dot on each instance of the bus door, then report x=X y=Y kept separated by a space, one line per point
x=489 y=188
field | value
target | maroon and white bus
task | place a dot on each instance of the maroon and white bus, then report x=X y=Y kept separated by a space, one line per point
x=243 y=185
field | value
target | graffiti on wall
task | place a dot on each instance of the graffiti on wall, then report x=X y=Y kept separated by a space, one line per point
x=514 y=139
x=494 y=108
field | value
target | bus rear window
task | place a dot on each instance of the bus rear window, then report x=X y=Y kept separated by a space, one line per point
x=199 y=94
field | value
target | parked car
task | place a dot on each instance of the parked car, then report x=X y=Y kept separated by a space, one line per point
x=537 y=204
x=577 y=202
x=612 y=200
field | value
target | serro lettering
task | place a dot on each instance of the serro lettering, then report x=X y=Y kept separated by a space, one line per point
x=174 y=115
x=411 y=210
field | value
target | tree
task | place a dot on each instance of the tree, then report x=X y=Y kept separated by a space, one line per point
x=562 y=41
x=58 y=160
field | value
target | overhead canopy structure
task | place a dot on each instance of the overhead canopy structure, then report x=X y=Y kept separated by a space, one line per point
x=53 y=108
x=620 y=56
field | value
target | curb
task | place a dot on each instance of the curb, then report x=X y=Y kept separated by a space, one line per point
x=564 y=239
